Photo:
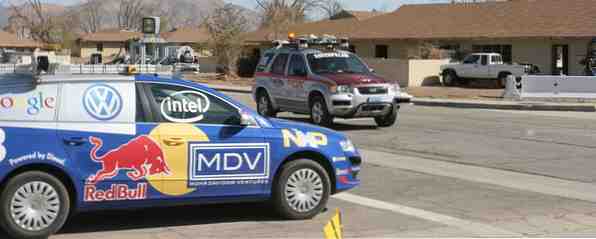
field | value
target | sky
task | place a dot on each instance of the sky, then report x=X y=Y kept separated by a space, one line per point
x=385 y=5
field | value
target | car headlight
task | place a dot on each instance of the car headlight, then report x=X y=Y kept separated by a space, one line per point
x=342 y=89
x=347 y=146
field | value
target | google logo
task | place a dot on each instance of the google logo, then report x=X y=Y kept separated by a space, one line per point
x=34 y=104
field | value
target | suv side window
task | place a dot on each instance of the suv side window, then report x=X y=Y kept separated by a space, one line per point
x=279 y=65
x=179 y=104
x=297 y=66
x=264 y=62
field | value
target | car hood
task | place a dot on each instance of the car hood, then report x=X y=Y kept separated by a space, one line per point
x=354 y=79
x=287 y=124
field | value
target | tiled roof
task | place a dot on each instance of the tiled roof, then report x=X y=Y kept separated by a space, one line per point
x=340 y=28
x=9 y=40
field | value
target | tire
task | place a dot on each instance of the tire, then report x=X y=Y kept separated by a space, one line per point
x=319 y=114
x=57 y=204
x=387 y=120
x=450 y=78
x=502 y=80
x=291 y=174
x=264 y=106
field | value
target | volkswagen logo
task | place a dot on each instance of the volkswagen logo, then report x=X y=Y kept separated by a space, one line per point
x=102 y=102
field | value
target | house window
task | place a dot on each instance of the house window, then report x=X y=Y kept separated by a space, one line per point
x=382 y=51
x=99 y=47
x=504 y=50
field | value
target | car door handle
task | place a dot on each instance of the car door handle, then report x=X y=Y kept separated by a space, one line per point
x=75 y=141
x=174 y=141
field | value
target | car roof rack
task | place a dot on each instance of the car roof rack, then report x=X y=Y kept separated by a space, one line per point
x=324 y=42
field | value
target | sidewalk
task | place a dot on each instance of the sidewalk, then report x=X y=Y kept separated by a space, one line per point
x=465 y=103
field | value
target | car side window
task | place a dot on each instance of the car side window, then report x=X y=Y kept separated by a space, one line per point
x=297 y=66
x=179 y=104
x=264 y=62
x=279 y=65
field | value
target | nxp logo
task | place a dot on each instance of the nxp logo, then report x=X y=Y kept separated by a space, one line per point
x=102 y=102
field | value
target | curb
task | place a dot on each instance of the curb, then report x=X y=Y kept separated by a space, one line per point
x=528 y=106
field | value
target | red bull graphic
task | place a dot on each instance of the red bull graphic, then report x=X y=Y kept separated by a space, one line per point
x=136 y=155
x=116 y=192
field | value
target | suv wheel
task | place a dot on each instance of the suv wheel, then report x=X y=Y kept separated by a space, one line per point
x=319 y=114
x=264 y=106
x=387 y=120
x=34 y=205
x=302 y=190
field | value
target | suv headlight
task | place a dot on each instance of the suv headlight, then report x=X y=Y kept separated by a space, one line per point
x=342 y=89
x=347 y=146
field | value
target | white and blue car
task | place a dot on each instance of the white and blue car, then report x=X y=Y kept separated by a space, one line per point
x=79 y=143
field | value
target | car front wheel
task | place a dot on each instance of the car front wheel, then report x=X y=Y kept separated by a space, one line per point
x=302 y=190
x=34 y=205
x=387 y=120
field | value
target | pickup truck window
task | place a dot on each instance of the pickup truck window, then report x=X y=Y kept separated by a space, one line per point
x=329 y=63
x=471 y=59
x=484 y=60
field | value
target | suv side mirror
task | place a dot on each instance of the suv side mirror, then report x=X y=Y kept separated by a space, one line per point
x=372 y=70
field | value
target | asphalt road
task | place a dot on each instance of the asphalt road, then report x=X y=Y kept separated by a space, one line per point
x=441 y=173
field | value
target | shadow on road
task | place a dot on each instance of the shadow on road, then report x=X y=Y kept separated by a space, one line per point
x=168 y=216
x=339 y=126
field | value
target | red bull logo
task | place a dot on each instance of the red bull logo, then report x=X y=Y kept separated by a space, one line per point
x=116 y=192
x=135 y=156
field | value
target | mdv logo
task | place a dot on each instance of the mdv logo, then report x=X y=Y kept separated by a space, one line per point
x=102 y=102
x=228 y=162
x=2 y=148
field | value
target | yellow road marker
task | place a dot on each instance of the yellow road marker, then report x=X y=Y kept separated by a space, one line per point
x=334 y=228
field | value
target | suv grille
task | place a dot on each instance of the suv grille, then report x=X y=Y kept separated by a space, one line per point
x=374 y=90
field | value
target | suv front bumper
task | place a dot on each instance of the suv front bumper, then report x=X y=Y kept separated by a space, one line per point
x=357 y=105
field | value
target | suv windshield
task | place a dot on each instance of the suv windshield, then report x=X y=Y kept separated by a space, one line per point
x=336 y=62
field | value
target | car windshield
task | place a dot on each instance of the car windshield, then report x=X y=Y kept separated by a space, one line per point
x=336 y=62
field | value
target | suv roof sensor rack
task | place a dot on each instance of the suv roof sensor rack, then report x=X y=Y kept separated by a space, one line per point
x=327 y=42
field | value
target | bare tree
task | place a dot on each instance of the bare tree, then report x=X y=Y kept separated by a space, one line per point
x=226 y=25
x=91 y=15
x=31 y=16
x=331 y=8
x=131 y=12
x=275 y=12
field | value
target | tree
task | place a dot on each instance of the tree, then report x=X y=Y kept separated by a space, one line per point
x=331 y=8
x=91 y=15
x=31 y=17
x=225 y=26
x=275 y=12
x=130 y=13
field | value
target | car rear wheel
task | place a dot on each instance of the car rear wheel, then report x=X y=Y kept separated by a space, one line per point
x=319 y=114
x=302 y=190
x=34 y=205
x=387 y=120
x=264 y=106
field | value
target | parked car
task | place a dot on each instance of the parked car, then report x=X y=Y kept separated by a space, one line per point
x=324 y=83
x=79 y=143
x=482 y=66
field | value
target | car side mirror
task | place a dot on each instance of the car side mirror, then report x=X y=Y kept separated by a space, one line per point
x=247 y=120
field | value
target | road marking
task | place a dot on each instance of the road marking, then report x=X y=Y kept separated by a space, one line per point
x=479 y=229
x=522 y=181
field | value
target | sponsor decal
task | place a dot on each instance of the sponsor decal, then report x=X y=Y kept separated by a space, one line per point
x=331 y=55
x=339 y=159
x=36 y=156
x=102 y=102
x=116 y=192
x=34 y=104
x=228 y=162
x=2 y=148
x=341 y=172
x=141 y=156
x=185 y=107
x=302 y=139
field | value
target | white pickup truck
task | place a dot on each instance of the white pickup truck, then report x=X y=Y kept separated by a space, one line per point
x=486 y=66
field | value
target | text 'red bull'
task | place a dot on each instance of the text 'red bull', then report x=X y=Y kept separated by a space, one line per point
x=117 y=192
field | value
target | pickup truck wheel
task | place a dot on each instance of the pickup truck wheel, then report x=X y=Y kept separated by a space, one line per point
x=319 y=114
x=449 y=78
x=264 y=106
x=34 y=205
x=302 y=190
x=387 y=120
x=502 y=80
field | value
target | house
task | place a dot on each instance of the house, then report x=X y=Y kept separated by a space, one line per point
x=110 y=43
x=11 y=41
x=358 y=15
x=552 y=34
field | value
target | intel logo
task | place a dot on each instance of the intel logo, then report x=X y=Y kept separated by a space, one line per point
x=185 y=107
x=102 y=102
